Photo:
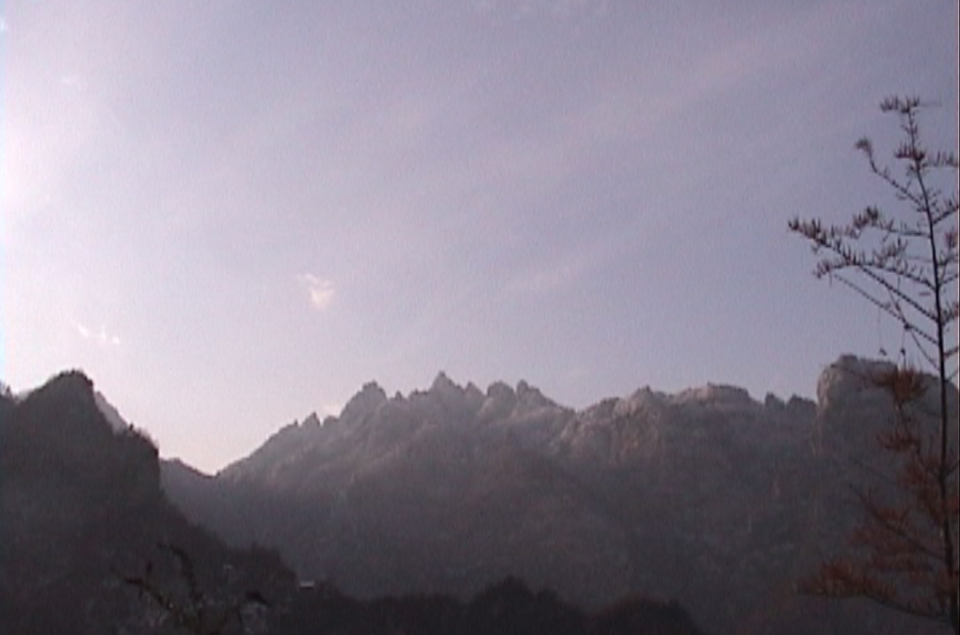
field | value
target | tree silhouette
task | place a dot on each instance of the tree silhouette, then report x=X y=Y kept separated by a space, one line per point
x=904 y=554
x=185 y=605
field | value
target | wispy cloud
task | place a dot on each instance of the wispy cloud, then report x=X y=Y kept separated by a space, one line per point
x=101 y=337
x=319 y=290
x=568 y=268
x=3 y=26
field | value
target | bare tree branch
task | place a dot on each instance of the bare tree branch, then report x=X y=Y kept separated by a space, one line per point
x=905 y=553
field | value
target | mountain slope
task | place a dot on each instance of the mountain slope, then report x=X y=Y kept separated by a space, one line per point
x=82 y=511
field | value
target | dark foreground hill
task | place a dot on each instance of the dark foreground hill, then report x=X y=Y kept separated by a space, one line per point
x=707 y=497
x=506 y=608
x=89 y=544
x=82 y=513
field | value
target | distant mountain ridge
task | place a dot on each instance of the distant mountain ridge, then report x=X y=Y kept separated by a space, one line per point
x=706 y=496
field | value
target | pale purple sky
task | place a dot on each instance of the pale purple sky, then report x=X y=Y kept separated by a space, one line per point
x=231 y=213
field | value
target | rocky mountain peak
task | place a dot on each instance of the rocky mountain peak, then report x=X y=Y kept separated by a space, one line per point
x=71 y=385
x=68 y=410
x=443 y=384
x=499 y=402
x=530 y=398
x=642 y=399
x=474 y=394
x=500 y=391
x=364 y=403
x=849 y=378
x=853 y=404
x=720 y=395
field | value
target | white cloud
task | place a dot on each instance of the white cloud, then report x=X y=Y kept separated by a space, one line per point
x=319 y=290
x=101 y=337
x=3 y=26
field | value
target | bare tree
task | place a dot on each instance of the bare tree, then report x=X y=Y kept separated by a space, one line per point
x=189 y=608
x=904 y=555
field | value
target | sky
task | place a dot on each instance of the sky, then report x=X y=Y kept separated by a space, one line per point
x=233 y=213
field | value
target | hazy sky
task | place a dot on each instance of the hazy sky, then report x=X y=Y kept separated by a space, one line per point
x=231 y=213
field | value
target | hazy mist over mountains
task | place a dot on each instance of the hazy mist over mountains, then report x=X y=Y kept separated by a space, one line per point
x=695 y=510
x=707 y=496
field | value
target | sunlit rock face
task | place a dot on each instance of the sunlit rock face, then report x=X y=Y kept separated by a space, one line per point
x=707 y=496
x=848 y=379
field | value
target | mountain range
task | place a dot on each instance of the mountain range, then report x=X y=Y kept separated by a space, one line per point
x=449 y=510
x=706 y=497
x=89 y=543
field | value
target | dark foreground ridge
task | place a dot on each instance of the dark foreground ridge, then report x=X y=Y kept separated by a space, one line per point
x=82 y=513
x=505 y=608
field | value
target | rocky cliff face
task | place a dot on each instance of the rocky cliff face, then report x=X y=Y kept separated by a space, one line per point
x=707 y=496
